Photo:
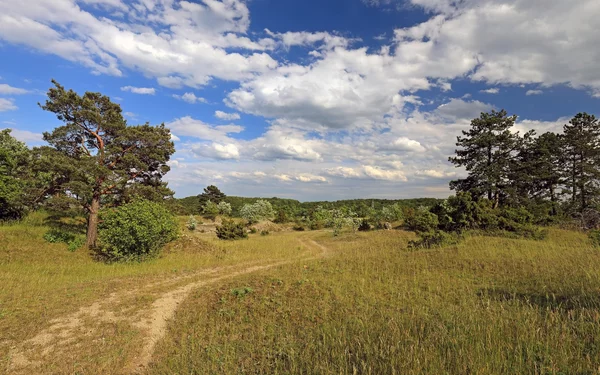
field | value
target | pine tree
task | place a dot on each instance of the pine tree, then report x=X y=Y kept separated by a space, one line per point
x=211 y=193
x=581 y=147
x=95 y=156
x=486 y=152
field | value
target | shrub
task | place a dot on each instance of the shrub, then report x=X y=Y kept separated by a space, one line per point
x=224 y=208
x=434 y=238
x=230 y=230
x=261 y=210
x=253 y=230
x=56 y=235
x=364 y=226
x=264 y=233
x=422 y=221
x=191 y=223
x=210 y=210
x=136 y=231
x=299 y=228
x=594 y=236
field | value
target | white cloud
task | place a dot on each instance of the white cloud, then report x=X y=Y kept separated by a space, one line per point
x=534 y=92
x=188 y=126
x=493 y=90
x=7 y=105
x=181 y=42
x=190 y=97
x=26 y=135
x=9 y=90
x=461 y=109
x=227 y=116
x=139 y=90
x=217 y=151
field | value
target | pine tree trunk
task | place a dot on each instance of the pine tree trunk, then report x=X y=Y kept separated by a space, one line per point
x=92 y=228
x=553 y=200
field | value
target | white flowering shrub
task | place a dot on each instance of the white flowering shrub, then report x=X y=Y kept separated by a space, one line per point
x=261 y=210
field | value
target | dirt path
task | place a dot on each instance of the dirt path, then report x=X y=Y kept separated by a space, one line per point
x=66 y=333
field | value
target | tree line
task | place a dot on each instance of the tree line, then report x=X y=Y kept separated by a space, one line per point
x=552 y=174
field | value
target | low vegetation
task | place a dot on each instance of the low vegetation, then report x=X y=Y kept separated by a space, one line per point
x=136 y=231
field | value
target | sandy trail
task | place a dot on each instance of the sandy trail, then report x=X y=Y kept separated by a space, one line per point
x=30 y=355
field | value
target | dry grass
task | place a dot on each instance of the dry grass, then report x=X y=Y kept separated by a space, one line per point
x=487 y=306
x=42 y=282
x=370 y=306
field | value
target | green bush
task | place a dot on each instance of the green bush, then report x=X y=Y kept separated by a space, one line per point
x=594 y=236
x=364 y=226
x=434 y=238
x=136 y=231
x=264 y=232
x=230 y=230
x=298 y=228
x=422 y=221
x=56 y=235
x=192 y=223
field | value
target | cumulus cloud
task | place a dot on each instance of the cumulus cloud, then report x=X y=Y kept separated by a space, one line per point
x=179 y=43
x=7 y=105
x=26 y=135
x=190 y=97
x=139 y=90
x=493 y=90
x=227 y=116
x=10 y=90
x=188 y=126
x=217 y=151
x=534 y=92
x=462 y=109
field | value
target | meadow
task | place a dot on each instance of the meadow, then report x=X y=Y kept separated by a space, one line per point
x=302 y=303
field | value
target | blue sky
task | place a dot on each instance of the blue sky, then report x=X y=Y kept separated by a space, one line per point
x=305 y=99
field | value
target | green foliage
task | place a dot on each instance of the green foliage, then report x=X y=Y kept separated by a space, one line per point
x=486 y=152
x=136 y=231
x=230 y=230
x=211 y=193
x=191 y=223
x=594 y=236
x=261 y=210
x=264 y=232
x=56 y=235
x=14 y=160
x=97 y=157
x=364 y=226
x=253 y=230
x=224 y=208
x=210 y=210
x=422 y=221
x=434 y=238
x=241 y=292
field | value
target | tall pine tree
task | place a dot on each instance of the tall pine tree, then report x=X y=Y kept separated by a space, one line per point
x=581 y=147
x=486 y=152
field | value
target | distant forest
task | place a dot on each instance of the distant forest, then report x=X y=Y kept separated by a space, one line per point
x=293 y=208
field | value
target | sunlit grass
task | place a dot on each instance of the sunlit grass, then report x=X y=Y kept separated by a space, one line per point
x=486 y=306
x=41 y=281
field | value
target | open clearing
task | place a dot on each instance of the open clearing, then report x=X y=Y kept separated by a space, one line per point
x=304 y=302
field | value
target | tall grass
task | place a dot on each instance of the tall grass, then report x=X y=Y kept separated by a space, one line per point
x=41 y=281
x=486 y=306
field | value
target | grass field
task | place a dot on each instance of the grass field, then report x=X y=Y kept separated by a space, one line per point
x=303 y=303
